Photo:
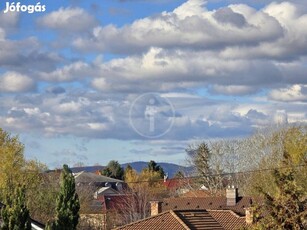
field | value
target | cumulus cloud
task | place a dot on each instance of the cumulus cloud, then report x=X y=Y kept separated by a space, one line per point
x=190 y=25
x=199 y=59
x=180 y=70
x=65 y=19
x=9 y=21
x=13 y=82
x=70 y=72
x=294 y=93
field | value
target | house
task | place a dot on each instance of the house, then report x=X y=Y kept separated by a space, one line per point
x=189 y=219
x=228 y=212
x=232 y=201
x=105 y=196
x=176 y=186
x=97 y=181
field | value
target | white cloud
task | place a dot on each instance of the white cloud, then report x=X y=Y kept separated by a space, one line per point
x=234 y=89
x=290 y=94
x=9 y=21
x=68 y=20
x=189 y=26
x=71 y=72
x=13 y=82
x=181 y=70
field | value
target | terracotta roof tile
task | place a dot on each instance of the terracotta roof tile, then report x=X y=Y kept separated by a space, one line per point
x=212 y=203
x=198 y=219
x=164 y=221
x=228 y=219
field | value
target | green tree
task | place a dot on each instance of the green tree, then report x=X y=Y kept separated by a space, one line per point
x=179 y=174
x=67 y=203
x=288 y=208
x=12 y=161
x=200 y=158
x=15 y=214
x=114 y=170
x=273 y=145
x=154 y=167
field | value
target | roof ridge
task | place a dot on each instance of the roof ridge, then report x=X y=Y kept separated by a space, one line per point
x=147 y=218
x=179 y=220
x=225 y=210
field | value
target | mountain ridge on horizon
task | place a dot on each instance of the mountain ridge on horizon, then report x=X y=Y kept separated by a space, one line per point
x=170 y=168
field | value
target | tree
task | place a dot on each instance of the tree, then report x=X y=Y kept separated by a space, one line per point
x=272 y=146
x=16 y=171
x=142 y=188
x=67 y=203
x=12 y=161
x=210 y=176
x=114 y=170
x=154 y=167
x=179 y=174
x=15 y=214
x=288 y=208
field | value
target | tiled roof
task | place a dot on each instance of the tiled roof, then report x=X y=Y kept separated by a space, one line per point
x=87 y=177
x=189 y=220
x=209 y=203
x=163 y=221
x=198 y=220
x=228 y=219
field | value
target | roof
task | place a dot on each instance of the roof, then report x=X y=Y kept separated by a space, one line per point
x=106 y=191
x=163 y=221
x=208 y=203
x=228 y=219
x=114 y=201
x=198 y=219
x=189 y=220
x=87 y=177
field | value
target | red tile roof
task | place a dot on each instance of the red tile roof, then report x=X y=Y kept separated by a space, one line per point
x=163 y=221
x=189 y=220
x=198 y=219
x=209 y=203
x=228 y=219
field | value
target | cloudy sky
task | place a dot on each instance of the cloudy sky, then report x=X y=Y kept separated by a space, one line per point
x=92 y=81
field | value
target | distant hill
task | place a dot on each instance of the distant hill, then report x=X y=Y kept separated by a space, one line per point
x=87 y=168
x=169 y=168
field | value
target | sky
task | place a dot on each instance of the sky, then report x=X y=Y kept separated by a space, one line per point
x=138 y=80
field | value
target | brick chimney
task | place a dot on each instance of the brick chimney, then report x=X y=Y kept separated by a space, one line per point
x=155 y=207
x=249 y=215
x=231 y=196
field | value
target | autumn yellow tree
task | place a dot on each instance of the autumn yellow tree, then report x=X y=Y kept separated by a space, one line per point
x=12 y=161
x=16 y=171
x=142 y=188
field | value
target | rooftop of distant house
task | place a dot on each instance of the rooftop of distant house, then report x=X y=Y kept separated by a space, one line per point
x=189 y=219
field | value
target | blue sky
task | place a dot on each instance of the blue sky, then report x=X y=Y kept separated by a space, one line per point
x=92 y=81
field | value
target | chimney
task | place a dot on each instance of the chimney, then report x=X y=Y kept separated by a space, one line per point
x=249 y=215
x=155 y=207
x=231 y=196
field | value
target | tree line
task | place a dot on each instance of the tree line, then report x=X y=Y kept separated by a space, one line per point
x=216 y=165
